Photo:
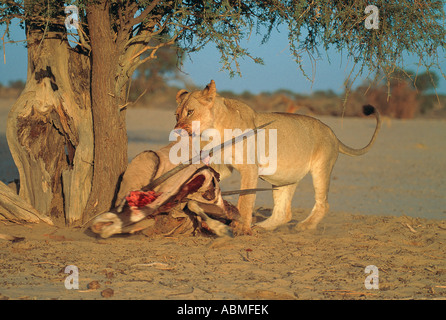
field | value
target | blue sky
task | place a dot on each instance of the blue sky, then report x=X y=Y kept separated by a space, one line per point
x=278 y=72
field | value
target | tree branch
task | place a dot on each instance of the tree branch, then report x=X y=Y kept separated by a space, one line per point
x=144 y=14
x=145 y=35
x=154 y=50
x=82 y=38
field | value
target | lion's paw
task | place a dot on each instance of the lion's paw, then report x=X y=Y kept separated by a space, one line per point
x=269 y=224
x=241 y=229
x=302 y=226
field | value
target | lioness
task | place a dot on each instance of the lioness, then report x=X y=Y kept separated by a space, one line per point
x=304 y=144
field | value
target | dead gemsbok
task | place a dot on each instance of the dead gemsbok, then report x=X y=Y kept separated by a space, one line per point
x=152 y=185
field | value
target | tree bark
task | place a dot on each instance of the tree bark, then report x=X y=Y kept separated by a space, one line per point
x=67 y=131
x=110 y=136
x=49 y=129
x=14 y=208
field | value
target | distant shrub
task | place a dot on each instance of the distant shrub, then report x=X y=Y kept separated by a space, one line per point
x=324 y=94
x=246 y=95
x=16 y=84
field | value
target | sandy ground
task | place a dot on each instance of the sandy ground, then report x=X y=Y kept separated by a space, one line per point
x=387 y=210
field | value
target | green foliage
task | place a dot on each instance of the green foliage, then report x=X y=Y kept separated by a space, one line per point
x=405 y=26
x=414 y=27
x=426 y=81
x=224 y=23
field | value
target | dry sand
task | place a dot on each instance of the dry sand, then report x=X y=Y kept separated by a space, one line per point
x=387 y=209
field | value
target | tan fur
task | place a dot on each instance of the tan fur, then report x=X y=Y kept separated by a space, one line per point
x=304 y=144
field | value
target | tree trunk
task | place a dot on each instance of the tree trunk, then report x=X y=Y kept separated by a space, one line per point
x=49 y=128
x=110 y=135
x=67 y=132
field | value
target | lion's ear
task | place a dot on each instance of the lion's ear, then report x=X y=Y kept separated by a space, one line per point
x=209 y=93
x=180 y=95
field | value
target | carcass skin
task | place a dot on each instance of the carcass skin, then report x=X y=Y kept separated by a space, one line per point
x=196 y=186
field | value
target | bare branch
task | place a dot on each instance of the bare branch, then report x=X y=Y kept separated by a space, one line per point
x=3 y=40
x=146 y=35
x=82 y=38
x=153 y=53
x=145 y=13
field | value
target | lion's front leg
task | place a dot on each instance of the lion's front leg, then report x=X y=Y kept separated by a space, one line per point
x=245 y=204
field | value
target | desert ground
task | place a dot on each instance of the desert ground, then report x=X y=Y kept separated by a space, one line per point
x=387 y=209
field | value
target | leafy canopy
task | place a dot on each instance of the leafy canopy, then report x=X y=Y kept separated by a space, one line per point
x=413 y=27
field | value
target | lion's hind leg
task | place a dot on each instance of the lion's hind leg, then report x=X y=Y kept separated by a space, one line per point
x=321 y=182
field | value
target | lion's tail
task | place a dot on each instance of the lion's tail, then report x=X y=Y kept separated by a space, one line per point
x=367 y=110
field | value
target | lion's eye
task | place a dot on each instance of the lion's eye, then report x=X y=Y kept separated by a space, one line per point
x=190 y=112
